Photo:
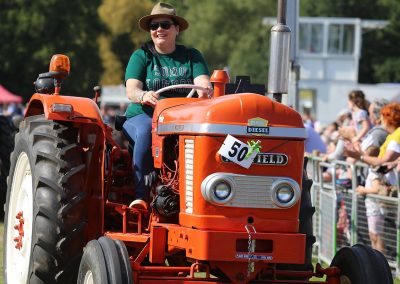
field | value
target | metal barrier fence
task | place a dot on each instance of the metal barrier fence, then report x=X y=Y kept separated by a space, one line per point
x=340 y=216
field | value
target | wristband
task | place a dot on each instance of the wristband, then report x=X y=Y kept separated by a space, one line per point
x=141 y=97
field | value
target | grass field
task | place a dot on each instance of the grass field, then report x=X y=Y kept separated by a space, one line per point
x=396 y=281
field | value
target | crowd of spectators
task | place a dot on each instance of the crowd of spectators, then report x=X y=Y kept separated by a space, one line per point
x=368 y=132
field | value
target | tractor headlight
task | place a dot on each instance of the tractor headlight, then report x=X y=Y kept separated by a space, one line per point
x=222 y=190
x=217 y=188
x=285 y=192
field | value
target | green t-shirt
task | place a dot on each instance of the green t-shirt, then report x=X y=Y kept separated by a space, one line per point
x=162 y=70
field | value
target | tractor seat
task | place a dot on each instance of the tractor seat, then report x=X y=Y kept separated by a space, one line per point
x=119 y=121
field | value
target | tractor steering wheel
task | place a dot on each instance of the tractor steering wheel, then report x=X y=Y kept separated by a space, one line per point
x=182 y=86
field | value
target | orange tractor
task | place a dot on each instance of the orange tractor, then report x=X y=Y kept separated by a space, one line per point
x=231 y=200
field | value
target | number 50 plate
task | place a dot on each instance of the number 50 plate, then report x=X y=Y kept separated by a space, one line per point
x=236 y=151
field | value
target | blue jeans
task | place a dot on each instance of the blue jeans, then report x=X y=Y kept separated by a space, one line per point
x=138 y=131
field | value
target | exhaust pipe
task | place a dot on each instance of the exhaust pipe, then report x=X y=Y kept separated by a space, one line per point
x=278 y=73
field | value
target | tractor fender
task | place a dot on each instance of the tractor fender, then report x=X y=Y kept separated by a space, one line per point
x=83 y=109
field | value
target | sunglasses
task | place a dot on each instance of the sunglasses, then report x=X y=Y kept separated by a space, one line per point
x=164 y=25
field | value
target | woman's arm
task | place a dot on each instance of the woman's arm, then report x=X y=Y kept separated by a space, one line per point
x=135 y=93
x=374 y=189
x=134 y=90
x=203 y=81
x=374 y=161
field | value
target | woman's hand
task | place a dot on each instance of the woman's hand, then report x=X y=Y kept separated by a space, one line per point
x=353 y=153
x=203 y=81
x=360 y=190
x=150 y=98
x=347 y=133
x=207 y=94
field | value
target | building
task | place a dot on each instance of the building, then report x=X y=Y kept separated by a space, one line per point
x=328 y=52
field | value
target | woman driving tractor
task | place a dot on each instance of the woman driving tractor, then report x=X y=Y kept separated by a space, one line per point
x=157 y=64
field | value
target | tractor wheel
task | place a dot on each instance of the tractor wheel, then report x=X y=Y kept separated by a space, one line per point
x=126 y=269
x=305 y=218
x=45 y=210
x=362 y=265
x=105 y=261
x=93 y=265
x=7 y=133
x=382 y=267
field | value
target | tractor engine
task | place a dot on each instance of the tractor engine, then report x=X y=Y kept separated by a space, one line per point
x=166 y=201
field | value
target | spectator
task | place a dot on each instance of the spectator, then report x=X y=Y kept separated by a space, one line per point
x=390 y=150
x=330 y=134
x=358 y=105
x=307 y=118
x=344 y=117
x=313 y=142
x=374 y=211
x=376 y=135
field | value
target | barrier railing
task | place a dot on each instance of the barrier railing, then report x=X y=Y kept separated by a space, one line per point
x=340 y=217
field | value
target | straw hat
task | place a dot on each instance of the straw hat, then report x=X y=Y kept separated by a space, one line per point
x=163 y=9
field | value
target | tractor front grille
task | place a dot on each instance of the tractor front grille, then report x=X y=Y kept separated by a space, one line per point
x=248 y=191
x=253 y=192
x=189 y=158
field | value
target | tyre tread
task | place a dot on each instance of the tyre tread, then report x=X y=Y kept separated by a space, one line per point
x=58 y=170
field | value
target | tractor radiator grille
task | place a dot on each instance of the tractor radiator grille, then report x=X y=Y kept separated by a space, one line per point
x=189 y=158
x=253 y=192
x=248 y=191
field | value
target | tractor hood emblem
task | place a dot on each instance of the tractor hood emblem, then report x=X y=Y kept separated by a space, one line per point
x=257 y=126
x=272 y=159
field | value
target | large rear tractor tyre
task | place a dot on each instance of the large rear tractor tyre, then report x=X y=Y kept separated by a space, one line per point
x=7 y=133
x=45 y=216
x=305 y=225
x=361 y=264
x=306 y=218
x=105 y=261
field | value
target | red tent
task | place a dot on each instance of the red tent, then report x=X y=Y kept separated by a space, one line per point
x=8 y=97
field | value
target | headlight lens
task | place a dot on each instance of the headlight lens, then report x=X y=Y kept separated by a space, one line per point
x=218 y=188
x=222 y=190
x=284 y=193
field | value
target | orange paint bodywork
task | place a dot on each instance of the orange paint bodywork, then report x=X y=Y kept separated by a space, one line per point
x=83 y=108
x=222 y=245
x=219 y=78
x=230 y=109
x=210 y=232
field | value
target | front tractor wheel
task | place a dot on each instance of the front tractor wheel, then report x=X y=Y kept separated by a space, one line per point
x=361 y=264
x=45 y=212
x=105 y=261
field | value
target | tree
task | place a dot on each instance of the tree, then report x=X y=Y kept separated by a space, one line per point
x=385 y=61
x=123 y=36
x=367 y=9
x=35 y=30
